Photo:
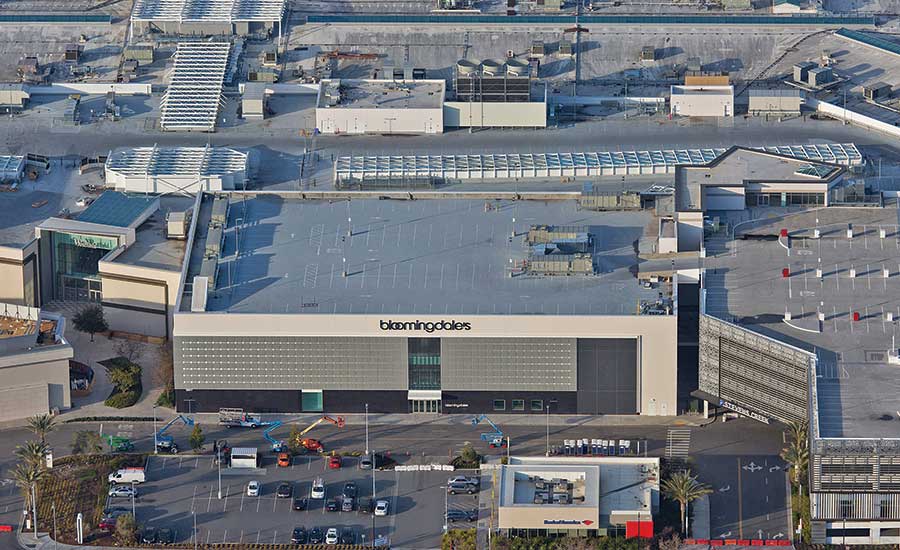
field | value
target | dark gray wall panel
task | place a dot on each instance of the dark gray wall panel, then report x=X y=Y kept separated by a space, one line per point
x=607 y=376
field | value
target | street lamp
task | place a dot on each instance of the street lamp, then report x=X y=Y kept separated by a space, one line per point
x=155 y=440
x=367 y=434
x=374 y=500
x=133 y=492
x=219 y=465
x=446 y=509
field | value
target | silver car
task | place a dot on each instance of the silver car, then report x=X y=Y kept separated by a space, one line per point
x=123 y=491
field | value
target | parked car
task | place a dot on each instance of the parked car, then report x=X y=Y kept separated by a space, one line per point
x=84 y=201
x=165 y=536
x=149 y=535
x=127 y=475
x=347 y=504
x=285 y=490
x=123 y=491
x=299 y=503
x=471 y=480
x=299 y=535
x=462 y=515
x=457 y=488
x=316 y=536
x=364 y=505
x=318 y=489
x=334 y=462
x=108 y=522
x=365 y=463
x=253 y=489
x=349 y=489
x=284 y=460
x=331 y=537
x=348 y=536
x=381 y=508
x=333 y=505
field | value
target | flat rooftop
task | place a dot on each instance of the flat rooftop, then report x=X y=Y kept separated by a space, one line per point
x=387 y=94
x=550 y=485
x=286 y=255
x=151 y=248
x=857 y=388
x=740 y=165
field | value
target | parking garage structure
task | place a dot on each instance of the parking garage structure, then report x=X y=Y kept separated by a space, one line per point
x=799 y=323
x=431 y=306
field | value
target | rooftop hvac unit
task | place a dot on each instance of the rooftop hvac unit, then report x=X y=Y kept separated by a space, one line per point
x=219 y=214
x=177 y=224
x=199 y=294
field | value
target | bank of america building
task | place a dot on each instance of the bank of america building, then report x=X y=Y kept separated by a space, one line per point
x=421 y=306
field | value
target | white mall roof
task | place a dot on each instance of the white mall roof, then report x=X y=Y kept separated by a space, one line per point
x=192 y=99
x=176 y=161
x=208 y=10
x=11 y=165
x=552 y=164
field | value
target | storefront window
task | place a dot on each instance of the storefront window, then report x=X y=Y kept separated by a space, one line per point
x=311 y=401
x=424 y=367
x=537 y=405
x=75 y=265
x=518 y=404
x=499 y=404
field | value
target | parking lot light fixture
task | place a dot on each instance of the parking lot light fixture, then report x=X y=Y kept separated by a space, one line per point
x=155 y=440
x=219 y=465
x=367 y=429
x=446 y=506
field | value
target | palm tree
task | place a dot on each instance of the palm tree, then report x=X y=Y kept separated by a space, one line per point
x=683 y=488
x=41 y=425
x=32 y=453
x=26 y=476
x=796 y=450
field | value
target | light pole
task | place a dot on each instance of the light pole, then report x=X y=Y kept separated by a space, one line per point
x=548 y=429
x=374 y=500
x=446 y=509
x=367 y=435
x=133 y=493
x=155 y=440
x=219 y=465
x=34 y=511
x=195 y=530
x=53 y=508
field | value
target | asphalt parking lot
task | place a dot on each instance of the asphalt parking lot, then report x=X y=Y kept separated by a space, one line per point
x=182 y=488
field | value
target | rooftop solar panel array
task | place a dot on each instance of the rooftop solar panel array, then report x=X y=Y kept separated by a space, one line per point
x=176 y=161
x=194 y=95
x=116 y=209
x=353 y=168
x=870 y=40
x=208 y=10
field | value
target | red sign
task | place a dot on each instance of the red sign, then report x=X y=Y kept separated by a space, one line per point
x=641 y=529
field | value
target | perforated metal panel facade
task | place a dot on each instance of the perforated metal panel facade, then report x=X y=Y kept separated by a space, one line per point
x=607 y=376
x=325 y=363
x=547 y=364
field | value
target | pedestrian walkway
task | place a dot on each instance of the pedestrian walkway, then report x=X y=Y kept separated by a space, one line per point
x=678 y=444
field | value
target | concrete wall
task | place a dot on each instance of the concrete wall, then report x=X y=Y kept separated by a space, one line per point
x=17 y=270
x=853 y=117
x=46 y=365
x=462 y=114
x=723 y=198
x=339 y=120
x=18 y=402
x=689 y=231
x=139 y=300
x=657 y=336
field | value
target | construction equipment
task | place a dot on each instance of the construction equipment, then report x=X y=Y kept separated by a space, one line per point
x=314 y=445
x=119 y=444
x=496 y=438
x=166 y=443
x=277 y=445
x=237 y=418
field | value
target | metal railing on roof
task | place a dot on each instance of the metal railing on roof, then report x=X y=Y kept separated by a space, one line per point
x=795 y=20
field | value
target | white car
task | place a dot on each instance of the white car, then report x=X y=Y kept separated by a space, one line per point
x=331 y=537
x=84 y=201
x=318 y=489
x=253 y=489
x=381 y=508
x=122 y=491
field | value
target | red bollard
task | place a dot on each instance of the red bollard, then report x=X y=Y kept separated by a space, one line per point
x=786 y=272
x=784 y=232
x=856 y=316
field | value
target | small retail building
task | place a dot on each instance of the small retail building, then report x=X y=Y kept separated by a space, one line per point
x=583 y=496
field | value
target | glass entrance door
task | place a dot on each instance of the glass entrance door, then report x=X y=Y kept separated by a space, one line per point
x=425 y=406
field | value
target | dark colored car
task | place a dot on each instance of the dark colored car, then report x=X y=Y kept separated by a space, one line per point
x=462 y=515
x=333 y=505
x=364 y=505
x=108 y=522
x=316 y=536
x=348 y=537
x=349 y=489
x=285 y=490
x=165 y=536
x=299 y=503
x=457 y=488
x=149 y=535
x=299 y=535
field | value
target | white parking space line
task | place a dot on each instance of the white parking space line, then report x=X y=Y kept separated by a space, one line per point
x=207 y=536
x=258 y=500
x=192 y=498
x=257 y=537
x=225 y=536
x=227 y=491
x=241 y=541
x=209 y=500
x=274 y=535
x=242 y=501
x=274 y=502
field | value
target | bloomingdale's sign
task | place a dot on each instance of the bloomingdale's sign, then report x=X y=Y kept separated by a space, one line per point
x=427 y=326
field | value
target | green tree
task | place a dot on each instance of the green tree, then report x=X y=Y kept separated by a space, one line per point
x=197 y=438
x=87 y=442
x=796 y=450
x=90 y=320
x=124 y=376
x=32 y=453
x=26 y=476
x=468 y=454
x=41 y=425
x=294 y=441
x=684 y=488
x=126 y=530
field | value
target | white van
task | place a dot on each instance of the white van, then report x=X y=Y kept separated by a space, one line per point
x=128 y=475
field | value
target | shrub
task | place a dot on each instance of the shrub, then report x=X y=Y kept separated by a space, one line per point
x=126 y=378
x=126 y=530
x=166 y=398
x=197 y=438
